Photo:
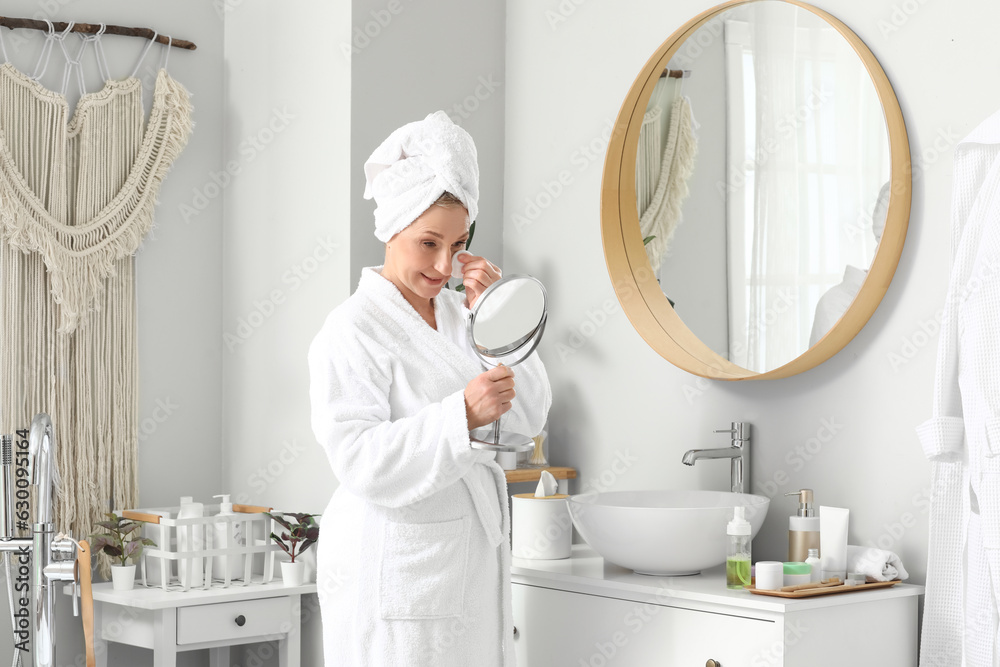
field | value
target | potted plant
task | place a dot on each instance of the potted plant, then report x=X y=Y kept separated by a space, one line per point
x=122 y=542
x=301 y=532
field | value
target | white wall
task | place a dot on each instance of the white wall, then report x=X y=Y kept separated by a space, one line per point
x=615 y=399
x=285 y=256
x=178 y=269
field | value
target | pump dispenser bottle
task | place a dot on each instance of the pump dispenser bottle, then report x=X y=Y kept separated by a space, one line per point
x=227 y=535
x=738 y=553
x=803 y=528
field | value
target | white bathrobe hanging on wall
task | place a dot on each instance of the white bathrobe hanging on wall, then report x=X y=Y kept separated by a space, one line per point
x=962 y=440
x=413 y=559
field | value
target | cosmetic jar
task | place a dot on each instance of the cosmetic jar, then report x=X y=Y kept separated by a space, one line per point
x=796 y=573
x=769 y=575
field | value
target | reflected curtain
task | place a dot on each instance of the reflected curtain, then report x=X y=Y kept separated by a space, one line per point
x=810 y=151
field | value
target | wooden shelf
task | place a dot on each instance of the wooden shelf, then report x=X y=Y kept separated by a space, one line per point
x=533 y=474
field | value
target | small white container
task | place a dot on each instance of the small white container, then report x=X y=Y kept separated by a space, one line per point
x=507 y=460
x=816 y=563
x=769 y=575
x=541 y=527
x=122 y=577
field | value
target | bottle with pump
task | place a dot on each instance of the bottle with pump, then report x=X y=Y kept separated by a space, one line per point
x=190 y=538
x=738 y=552
x=803 y=528
x=234 y=532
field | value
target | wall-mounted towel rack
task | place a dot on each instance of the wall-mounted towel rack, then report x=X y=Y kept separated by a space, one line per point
x=93 y=28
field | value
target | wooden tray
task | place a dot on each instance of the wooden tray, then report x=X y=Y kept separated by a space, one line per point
x=830 y=590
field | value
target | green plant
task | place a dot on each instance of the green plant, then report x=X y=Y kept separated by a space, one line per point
x=300 y=534
x=121 y=541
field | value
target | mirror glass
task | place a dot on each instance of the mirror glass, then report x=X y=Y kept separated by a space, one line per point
x=762 y=178
x=507 y=319
x=506 y=325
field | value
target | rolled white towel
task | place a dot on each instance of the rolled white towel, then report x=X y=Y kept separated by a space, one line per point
x=879 y=564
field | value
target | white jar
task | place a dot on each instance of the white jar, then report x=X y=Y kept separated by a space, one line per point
x=541 y=527
x=769 y=575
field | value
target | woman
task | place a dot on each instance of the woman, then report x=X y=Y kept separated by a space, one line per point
x=413 y=557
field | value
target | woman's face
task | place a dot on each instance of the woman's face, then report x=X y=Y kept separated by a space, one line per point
x=418 y=259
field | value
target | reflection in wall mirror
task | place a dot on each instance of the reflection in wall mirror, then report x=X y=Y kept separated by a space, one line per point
x=759 y=183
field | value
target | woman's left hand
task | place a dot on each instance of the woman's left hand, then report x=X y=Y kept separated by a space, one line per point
x=478 y=274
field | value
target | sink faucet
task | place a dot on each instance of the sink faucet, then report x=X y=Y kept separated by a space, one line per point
x=54 y=558
x=738 y=453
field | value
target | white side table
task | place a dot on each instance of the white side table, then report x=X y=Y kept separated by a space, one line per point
x=172 y=622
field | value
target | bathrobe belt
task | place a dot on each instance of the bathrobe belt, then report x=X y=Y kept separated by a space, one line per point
x=487 y=504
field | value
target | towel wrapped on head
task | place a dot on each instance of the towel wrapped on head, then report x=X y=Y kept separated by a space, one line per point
x=414 y=166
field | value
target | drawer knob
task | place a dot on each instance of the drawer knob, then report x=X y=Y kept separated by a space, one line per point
x=515 y=632
x=241 y=620
x=713 y=663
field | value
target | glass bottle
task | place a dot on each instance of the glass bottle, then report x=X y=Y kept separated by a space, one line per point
x=738 y=552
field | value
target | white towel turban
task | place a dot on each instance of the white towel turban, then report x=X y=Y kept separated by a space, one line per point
x=415 y=166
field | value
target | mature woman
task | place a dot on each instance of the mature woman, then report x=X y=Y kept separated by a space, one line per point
x=413 y=558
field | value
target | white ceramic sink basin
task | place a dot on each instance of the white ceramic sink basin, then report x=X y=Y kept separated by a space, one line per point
x=662 y=532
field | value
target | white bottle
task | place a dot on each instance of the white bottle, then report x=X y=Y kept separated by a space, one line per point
x=817 y=566
x=227 y=536
x=190 y=538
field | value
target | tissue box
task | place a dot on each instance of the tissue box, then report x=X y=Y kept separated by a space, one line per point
x=541 y=527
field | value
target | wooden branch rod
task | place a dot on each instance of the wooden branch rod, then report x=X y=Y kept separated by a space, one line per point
x=93 y=28
x=675 y=73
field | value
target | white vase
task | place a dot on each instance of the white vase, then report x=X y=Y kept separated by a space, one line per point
x=293 y=574
x=123 y=577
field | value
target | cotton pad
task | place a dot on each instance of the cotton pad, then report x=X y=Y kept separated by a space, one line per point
x=456 y=266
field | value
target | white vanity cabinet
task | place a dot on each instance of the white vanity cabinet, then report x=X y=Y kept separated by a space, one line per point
x=583 y=612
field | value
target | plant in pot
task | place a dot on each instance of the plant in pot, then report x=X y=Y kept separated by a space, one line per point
x=301 y=532
x=121 y=542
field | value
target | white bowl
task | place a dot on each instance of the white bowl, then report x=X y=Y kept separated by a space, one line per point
x=664 y=533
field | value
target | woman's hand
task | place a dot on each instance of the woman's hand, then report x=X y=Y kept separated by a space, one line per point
x=488 y=396
x=478 y=273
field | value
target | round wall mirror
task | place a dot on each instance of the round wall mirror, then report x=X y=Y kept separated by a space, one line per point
x=756 y=191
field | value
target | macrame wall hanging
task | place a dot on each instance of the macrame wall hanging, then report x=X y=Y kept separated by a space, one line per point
x=77 y=196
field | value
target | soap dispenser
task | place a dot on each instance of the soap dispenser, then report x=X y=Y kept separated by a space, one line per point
x=190 y=537
x=227 y=536
x=803 y=528
x=738 y=553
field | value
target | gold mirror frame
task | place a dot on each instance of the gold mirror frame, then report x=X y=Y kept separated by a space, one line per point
x=634 y=282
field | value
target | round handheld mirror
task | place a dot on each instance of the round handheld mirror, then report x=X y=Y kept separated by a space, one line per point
x=505 y=326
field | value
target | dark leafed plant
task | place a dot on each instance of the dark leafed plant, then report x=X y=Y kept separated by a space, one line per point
x=121 y=540
x=301 y=532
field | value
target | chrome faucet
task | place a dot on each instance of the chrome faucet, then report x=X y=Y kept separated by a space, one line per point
x=738 y=453
x=52 y=560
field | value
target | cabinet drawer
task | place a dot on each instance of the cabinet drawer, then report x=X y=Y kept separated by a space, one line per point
x=213 y=622
x=563 y=628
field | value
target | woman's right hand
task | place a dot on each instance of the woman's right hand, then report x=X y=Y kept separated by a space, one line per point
x=488 y=396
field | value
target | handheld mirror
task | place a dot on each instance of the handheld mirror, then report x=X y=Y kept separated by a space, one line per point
x=505 y=327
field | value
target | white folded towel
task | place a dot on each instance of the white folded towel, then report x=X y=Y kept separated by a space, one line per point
x=414 y=166
x=879 y=564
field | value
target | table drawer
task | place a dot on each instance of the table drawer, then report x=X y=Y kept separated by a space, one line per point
x=216 y=622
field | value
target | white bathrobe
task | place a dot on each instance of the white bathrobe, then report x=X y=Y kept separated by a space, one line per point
x=413 y=561
x=962 y=439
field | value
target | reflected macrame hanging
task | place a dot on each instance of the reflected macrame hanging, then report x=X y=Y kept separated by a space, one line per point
x=76 y=199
